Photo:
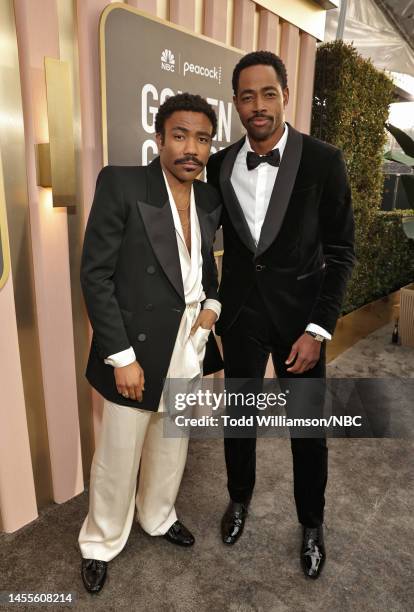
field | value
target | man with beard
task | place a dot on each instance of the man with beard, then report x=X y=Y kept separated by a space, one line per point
x=150 y=284
x=288 y=253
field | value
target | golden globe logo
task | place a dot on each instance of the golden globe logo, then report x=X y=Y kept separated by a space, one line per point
x=168 y=60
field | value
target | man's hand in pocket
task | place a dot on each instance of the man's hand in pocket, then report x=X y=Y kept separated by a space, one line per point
x=130 y=381
x=205 y=319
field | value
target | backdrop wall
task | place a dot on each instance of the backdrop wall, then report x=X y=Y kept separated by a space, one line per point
x=50 y=417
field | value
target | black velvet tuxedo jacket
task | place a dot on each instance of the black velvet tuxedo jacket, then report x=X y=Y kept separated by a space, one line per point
x=131 y=276
x=305 y=253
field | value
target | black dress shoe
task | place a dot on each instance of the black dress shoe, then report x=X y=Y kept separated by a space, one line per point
x=178 y=534
x=232 y=523
x=313 y=552
x=93 y=574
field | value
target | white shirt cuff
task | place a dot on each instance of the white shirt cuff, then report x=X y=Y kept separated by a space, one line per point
x=213 y=305
x=121 y=359
x=318 y=330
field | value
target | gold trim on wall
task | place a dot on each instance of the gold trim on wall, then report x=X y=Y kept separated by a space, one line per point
x=4 y=234
x=60 y=164
x=43 y=169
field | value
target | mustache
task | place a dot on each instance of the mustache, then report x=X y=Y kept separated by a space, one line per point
x=260 y=116
x=189 y=158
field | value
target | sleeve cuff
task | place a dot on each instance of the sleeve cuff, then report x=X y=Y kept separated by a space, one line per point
x=121 y=359
x=316 y=329
x=213 y=305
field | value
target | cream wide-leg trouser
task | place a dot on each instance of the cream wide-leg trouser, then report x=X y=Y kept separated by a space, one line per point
x=132 y=439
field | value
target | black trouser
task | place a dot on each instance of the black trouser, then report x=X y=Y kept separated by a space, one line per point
x=246 y=346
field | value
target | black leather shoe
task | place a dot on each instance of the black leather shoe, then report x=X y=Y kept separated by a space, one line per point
x=93 y=574
x=178 y=534
x=313 y=554
x=232 y=523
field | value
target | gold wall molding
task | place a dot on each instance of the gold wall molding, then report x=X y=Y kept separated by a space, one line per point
x=4 y=235
x=56 y=159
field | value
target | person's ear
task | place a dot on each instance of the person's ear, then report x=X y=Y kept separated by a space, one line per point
x=285 y=96
x=160 y=140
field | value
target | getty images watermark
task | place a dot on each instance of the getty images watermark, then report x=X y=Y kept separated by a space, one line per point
x=349 y=408
x=260 y=401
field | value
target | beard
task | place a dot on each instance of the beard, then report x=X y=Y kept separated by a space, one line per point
x=260 y=134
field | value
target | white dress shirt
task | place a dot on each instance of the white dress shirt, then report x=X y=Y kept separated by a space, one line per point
x=191 y=270
x=253 y=189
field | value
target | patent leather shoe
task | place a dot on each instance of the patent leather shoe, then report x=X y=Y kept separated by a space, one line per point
x=178 y=534
x=313 y=553
x=232 y=523
x=94 y=574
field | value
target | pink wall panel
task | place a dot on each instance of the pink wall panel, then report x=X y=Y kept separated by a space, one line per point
x=88 y=14
x=17 y=493
x=268 y=31
x=289 y=52
x=182 y=12
x=243 y=24
x=215 y=19
x=37 y=37
x=305 y=82
x=150 y=6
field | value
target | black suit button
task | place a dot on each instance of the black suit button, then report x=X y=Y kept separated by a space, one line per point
x=149 y=307
x=142 y=337
x=151 y=269
x=259 y=267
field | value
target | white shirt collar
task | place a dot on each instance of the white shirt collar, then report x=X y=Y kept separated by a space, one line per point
x=281 y=143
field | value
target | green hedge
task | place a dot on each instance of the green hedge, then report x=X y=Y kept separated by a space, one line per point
x=350 y=108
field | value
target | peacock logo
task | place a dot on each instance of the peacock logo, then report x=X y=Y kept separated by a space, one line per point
x=168 y=60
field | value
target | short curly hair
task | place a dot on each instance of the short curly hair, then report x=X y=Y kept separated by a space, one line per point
x=184 y=102
x=257 y=58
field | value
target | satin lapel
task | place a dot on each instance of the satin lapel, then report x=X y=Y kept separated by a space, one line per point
x=282 y=190
x=159 y=225
x=232 y=203
x=207 y=219
x=202 y=215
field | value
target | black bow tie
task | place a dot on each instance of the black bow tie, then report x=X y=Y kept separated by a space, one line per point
x=253 y=159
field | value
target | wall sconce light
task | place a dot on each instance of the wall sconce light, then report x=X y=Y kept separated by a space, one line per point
x=55 y=160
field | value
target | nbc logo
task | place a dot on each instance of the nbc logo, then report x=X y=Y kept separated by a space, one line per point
x=167 y=60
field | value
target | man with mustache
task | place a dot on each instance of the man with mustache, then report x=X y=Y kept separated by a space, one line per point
x=288 y=253
x=150 y=284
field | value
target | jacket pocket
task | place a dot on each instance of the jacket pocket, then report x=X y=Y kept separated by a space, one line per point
x=303 y=276
x=304 y=189
x=200 y=338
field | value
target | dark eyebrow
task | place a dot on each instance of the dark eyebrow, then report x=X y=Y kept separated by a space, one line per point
x=265 y=88
x=183 y=129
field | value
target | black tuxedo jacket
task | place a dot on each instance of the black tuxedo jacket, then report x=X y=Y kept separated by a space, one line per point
x=131 y=276
x=305 y=253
